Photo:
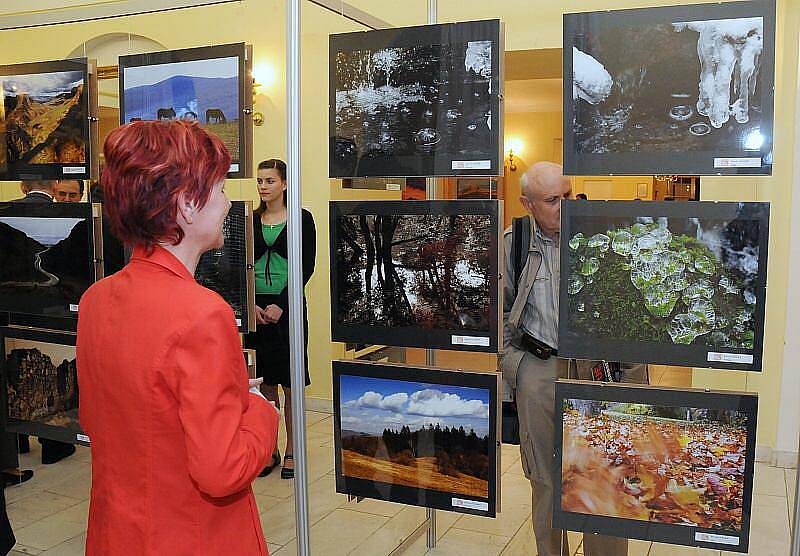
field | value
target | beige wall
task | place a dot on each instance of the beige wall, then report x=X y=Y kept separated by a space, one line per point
x=529 y=24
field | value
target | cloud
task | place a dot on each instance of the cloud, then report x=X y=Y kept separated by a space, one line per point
x=424 y=403
x=434 y=403
x=394 y=402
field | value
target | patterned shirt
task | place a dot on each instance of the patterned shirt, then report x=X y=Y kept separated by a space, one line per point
x=540 y=316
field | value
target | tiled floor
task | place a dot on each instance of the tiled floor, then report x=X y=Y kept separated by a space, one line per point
x=49 y=512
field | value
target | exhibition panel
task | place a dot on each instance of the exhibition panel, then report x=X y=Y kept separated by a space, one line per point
x=674 y=283
x=40 y=382
x=44 y=120
x=415 y=273
x=419 y=436
x=210 y=85
x=655 y=463
x=682 y=90
x=48 y=255
x=229 y=270
x=417 y=101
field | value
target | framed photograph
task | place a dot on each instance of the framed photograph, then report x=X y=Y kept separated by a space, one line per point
x=417 y=436
x=476 y=188
x=230 y=270
x=416 y=273
x=664 y=282
x=48 y=257
x=684 y=90
x=45 y=120
x=250 y=361
x=211 y=85
x=654 y=463
x=417 y=101
x=40 y=384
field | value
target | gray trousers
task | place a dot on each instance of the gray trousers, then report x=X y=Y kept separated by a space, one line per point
x=535 y=394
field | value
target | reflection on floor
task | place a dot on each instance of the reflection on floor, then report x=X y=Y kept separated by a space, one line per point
x=49 y=512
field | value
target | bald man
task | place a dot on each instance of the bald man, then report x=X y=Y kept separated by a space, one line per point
x=530 y=362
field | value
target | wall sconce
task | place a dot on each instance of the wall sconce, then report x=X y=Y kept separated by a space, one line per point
x=511 y=165
x=514 y=145
x=264 y=75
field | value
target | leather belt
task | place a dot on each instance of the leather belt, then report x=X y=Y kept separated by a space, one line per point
x=537 y=348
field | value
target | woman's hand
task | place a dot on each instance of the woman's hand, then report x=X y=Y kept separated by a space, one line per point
x=273 y=313
x=260 y=317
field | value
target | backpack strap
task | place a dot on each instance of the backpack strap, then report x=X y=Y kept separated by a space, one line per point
x=520 y=244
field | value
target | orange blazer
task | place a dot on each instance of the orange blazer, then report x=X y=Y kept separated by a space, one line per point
x=176 y=437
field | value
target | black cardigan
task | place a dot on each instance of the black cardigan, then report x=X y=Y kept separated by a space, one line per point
x=281 y=247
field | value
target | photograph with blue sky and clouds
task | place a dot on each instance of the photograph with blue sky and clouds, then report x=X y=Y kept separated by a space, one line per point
x=370 y=405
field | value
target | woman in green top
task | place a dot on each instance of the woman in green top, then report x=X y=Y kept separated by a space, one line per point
x=271 y=338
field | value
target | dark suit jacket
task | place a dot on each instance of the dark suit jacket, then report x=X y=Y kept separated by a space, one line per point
x=35 y=197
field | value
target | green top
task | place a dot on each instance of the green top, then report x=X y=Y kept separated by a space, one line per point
x=271 y=279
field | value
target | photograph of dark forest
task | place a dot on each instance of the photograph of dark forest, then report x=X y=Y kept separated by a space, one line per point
x=429 y=271
x=419 y=435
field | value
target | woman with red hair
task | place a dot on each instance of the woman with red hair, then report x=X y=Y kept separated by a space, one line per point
x=177 y=433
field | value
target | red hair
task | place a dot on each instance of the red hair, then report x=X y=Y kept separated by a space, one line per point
x=147 y=165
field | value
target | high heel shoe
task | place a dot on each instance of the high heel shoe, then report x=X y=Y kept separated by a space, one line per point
x=276 y=460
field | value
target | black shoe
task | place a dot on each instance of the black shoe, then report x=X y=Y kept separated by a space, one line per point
x=286 y=472
x=276 y=460
x=53 y=452
x=17 y=477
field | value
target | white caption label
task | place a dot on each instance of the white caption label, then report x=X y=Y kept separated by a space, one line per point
x=471 y=165
x=719 y=539
x=715 y=356
x=68 y=170
x=737 y=163
x=392 y=187
x=469 y=341
x=470 y=504
x=233 y=168
x=81 y=438
x=73 y=307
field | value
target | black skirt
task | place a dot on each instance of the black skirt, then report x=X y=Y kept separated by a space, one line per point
x=271 y=342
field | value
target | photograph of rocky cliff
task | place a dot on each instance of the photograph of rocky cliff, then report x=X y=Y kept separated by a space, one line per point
x=662 y=80
x=42 y=383
x=45 y=120
x=416 y=101
x=45 y=264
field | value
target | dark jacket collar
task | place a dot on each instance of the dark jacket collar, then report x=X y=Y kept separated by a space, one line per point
x=163 y=258
x=38 y=193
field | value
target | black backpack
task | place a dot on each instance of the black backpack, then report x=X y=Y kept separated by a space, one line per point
x=520 y=242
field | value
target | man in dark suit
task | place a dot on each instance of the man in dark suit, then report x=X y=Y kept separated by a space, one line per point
x=36 y=191
x=41 y=191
